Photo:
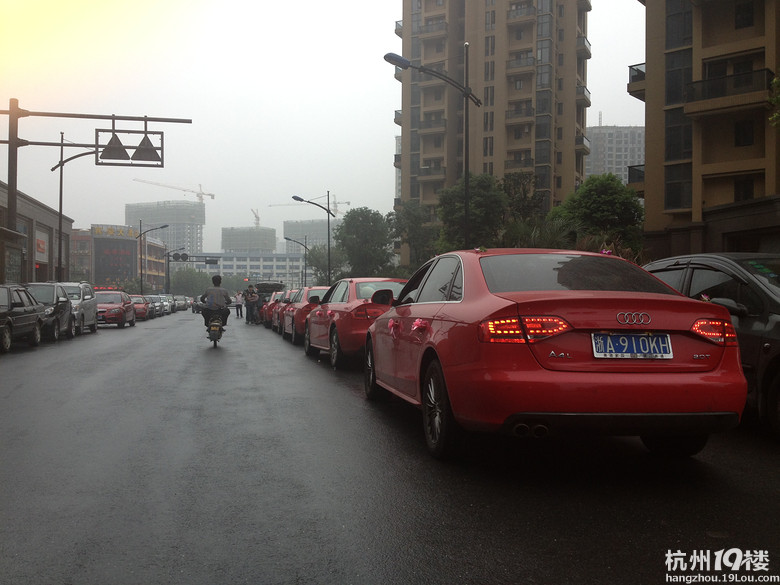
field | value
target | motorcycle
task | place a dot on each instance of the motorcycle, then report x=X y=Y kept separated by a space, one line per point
x=215 y=329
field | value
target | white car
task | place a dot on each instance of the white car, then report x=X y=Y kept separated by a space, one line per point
x=84 y=305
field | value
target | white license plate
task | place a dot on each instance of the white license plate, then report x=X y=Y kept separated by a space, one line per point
x=648 y=346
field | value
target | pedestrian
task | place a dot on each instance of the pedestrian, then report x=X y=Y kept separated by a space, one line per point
x=250 y=299
x=239 y=304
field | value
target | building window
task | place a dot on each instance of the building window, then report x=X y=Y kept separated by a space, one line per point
x=678 y=186
x=487 y=146
x=490 y=70
x=489 y=96
x=488 y=119
x=490 y=46
x=679 y=73
x=518 y=84
x=743 y=14
x=743 y=188
x=678 y=135
x=679 y=24
x=743 y=133
x=490 y=20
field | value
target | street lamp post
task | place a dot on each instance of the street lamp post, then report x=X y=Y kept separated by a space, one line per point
x=306 y=250
x=329 y=212
x=141 y=246
x=468 y=96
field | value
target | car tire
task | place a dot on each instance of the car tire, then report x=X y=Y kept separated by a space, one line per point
x=307 y=346
x=442 y=432
x=80 y=325
x=93 y=328
x=373 y=390
x=5 y=339
x=334 y=352
x=771 y=410
x=54 y=334
x=675 y=445
x=34 y=339
x=71 y=332
x=295 y=339
x=121 y=322
x=132 y=323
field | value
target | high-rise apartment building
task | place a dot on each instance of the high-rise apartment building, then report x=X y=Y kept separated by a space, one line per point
x=711 y=155
x=527 y=63
x=185 y=221
x=615 y=149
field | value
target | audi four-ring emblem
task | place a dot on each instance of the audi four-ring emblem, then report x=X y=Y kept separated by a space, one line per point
x=625 y=318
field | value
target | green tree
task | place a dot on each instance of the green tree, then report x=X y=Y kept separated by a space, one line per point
x=364 y=236
x=487 y=208
x=605 y=208
x=412 y=225
x=523 y=202
x=774 y=101
x=317 y=260
x=188 y=281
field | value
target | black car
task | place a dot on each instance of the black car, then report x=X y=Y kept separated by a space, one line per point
x=21 y=316
x=58 y=318
x=748 y=285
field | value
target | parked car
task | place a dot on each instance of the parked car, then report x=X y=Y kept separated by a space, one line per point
x=115 y=308
x=748 y=285
x=265 y=313
x=21 y=316
x=171 y=303
x=544 y=342
x=338 y=324
x=84 y=303
x=294 y=315
x=58 y=314
x=166 y=303
x=144 y=309
x=156 y=302
x=278 y=310
x=181 y=302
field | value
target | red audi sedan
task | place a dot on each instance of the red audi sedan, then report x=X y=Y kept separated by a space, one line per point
x=338 y=324
x=543 y=342
x=294 y=315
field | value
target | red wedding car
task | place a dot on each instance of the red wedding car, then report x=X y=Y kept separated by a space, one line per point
x=538 y=342
x=294 y=315
x=338 y=324
x=115 y=308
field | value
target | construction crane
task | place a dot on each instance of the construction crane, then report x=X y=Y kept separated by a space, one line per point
x=200 y=194
x=334 y=203
x=257 y=218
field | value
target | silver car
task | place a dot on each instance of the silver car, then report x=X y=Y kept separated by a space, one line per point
x=84 y=305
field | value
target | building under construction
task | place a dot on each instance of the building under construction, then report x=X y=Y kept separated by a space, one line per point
x=185 y=221
x=248 y=240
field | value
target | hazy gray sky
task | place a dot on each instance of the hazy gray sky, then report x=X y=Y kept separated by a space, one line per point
x=286 y=99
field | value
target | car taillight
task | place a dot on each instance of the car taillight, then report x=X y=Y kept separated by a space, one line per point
x=716 y=330
x=542 y=327
x=368 y=312
x=501 y=331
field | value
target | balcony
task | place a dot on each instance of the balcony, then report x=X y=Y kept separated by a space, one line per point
x=428 y=127
x=399 y=28
x=521 y=15
x=636 y=174
x=583 y=47
x=581 y=144
x=585 y=5
x=519 y=164
x=397 y=161
x=583 y=96
x=636 y=81
x=523 y=115
x=398 y=119
x=432 y=30
x=431 y=174
x=520 y=65
x=732 y=92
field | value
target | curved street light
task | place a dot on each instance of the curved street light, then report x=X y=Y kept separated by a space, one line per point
x=326 y=210
x=306 y=250
x=468 y=96
x=138 y=237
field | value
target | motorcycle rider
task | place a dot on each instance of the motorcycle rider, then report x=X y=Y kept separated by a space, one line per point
x=217 y=300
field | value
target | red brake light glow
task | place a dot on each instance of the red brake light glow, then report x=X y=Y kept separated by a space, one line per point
x=716 y=331
x=538 y=328
x=522 y=330
x=502 y=331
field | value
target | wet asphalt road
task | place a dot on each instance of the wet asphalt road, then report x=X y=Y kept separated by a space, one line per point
x=145 y=456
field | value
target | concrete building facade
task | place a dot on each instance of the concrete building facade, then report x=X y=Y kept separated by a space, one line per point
x=527 y=63
x=711 y=154
x=185 y=221
x=615 y=149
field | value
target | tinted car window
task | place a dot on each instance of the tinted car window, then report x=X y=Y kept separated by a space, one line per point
x=43 y=292
x=538 y=272
x=4 y=302
x=672 y=277
x=110 y=298
x=437 y=286
x=765 y=270
x=409 y=292
x=709 y=284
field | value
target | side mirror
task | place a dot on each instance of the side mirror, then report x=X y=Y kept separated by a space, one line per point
x=382 y=297
x=735 y=308
x=62 y=300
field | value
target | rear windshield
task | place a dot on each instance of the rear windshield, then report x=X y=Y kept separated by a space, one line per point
x=535 y=272
x=365 y=290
